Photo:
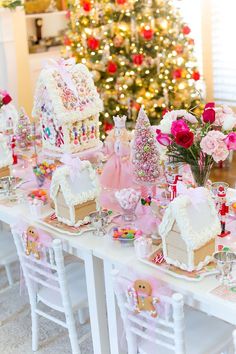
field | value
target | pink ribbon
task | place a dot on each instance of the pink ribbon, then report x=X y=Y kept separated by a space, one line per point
x=63 y=66
x=196 y=195
x=74 y=164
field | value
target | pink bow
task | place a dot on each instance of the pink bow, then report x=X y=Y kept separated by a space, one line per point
x=74 y=164
x=196 y=195
x=63 y=67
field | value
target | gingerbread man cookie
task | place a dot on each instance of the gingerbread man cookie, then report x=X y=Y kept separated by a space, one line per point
x=142 y=295
x=32 y=242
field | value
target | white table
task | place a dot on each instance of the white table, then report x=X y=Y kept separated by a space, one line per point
x=82 y=247
x=99 y=253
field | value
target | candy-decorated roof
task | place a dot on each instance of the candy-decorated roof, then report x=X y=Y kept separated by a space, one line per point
x=70 y=89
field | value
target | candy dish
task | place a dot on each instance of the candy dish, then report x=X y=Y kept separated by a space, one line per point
x=125 y=235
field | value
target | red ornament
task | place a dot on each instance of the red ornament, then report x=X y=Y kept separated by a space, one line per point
x=112 y=67
x=179 y=49
x=6 y=99
x=191 y=41
x=67 y=41
x=138 y=59
x=136 y=106
x=177 y=74
x=186 y=29
x=147 y=33
x=164 y=111
x=196 y=75
x=120 y=2
x=107 y=126
x=93 y=43
x=86 y=5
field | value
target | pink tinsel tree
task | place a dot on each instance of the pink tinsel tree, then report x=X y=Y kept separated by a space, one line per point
x=145 y=151
x=23 y=132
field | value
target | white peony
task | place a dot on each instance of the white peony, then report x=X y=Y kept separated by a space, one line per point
x=166 y=122
x=170 y=117
x=229 y=122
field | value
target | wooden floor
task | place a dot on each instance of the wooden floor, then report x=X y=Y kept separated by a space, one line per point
x=225 y=174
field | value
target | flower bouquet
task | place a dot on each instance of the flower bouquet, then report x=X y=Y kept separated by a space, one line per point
x=198 y=141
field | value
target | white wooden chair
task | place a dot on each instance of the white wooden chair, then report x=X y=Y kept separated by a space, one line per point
x=166 y=334
x=8 y=254
x=234 y=339
x=50 y=282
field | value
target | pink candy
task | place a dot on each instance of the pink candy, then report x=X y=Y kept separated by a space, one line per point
x=128 y=198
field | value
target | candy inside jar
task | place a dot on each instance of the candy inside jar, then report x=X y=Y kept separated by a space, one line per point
x=128 y=199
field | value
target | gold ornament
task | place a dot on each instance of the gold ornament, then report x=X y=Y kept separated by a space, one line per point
x=129 y=81
x=118 y=41
x=138 y=81
x=96 y=75
x=85 y=21
x=153 y=87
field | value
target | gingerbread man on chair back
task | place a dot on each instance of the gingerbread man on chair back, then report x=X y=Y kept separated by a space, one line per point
x=142 y=295
x=32 y=242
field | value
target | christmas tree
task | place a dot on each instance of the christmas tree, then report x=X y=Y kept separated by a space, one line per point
x=140 y=53
x=145 y=152
x=23 y=132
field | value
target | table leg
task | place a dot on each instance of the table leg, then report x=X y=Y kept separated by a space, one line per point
x=114 y=318
x=97 y=303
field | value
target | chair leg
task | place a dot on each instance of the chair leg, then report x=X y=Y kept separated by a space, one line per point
x=34 y=317
x=72 y=334
x=83 y=315
x=9 y=274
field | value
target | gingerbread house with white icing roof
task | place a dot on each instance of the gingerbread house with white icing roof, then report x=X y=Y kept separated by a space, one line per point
x=8 y=119
x=67 y=105
x=5 y=157
x=189 y=229
x=74 y=193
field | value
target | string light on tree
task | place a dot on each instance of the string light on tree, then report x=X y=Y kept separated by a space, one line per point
x=131 y=42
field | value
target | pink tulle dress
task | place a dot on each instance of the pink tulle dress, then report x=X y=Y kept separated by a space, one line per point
x=117 y=172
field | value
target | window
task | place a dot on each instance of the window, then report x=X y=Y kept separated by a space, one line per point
x=223 y=51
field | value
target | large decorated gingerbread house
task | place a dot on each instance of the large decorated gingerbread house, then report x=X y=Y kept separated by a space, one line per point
x=188 y=229
x=67 y=105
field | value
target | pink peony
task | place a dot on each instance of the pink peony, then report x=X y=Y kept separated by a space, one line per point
x=213 y=144
x=222 y=113
x=230 y=141
x=163 y=139
x=221 y=153
x=179 y=126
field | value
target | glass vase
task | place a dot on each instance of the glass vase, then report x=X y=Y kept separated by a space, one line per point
x=201 y=172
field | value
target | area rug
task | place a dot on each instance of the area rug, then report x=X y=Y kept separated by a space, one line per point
x=15 y=324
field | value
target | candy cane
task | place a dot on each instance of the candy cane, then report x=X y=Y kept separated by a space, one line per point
x=133 y=294
x=159 y=258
